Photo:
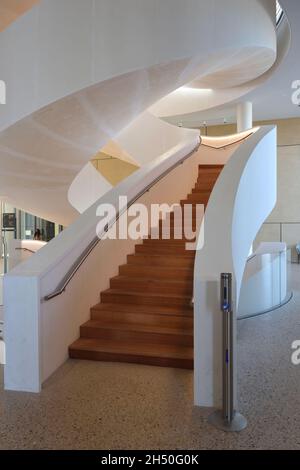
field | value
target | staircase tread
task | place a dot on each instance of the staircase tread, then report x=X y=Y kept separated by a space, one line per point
x=164 y=241
x=149 y=280
x=138 y=327
x=143 y=309
x=139 y=349
x=147 y=254
x=181 y=269
x=211 y=165
x=147 y=294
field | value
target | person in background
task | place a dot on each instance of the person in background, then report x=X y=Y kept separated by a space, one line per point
x=37 y=234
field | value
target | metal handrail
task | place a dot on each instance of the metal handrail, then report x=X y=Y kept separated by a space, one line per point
x=5 y=254
x=61 y=287
x=25 y=249
x=256 y=255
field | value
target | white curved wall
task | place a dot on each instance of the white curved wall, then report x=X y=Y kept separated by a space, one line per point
x=88 y=186
x=147 y=137
x=243 y=197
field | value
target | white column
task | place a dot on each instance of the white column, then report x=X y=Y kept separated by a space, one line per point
x=244 y=116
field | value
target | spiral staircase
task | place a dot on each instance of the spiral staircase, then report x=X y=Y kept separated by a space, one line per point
x=134 y=65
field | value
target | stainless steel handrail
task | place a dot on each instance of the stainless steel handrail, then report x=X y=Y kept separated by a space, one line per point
x=25 y=249
x=61 y=287
x=256 y=255
x=5 y=254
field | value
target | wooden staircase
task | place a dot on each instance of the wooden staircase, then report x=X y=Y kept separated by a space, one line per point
x=146 y=316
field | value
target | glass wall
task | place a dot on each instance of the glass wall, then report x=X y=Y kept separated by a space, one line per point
x=16 y=224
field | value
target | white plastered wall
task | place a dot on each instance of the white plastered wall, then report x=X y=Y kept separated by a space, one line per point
x=243 y=197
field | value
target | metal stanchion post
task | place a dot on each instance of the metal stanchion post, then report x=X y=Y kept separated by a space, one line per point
x=5 y=255
x=227 y=419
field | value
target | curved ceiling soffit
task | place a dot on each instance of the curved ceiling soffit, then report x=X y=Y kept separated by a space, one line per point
x=193 y=100
x=66 y=142
x=65 y=135
x=62 y=137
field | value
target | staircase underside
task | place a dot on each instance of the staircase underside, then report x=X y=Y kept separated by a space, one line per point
x=146 y=317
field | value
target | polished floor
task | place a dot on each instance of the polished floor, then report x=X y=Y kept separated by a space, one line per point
x=90 y=405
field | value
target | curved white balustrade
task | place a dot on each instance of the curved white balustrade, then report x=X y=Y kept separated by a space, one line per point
x=264 y=285
x=243 y=197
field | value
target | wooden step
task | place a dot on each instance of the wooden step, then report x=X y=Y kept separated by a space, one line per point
x=187 y=219
x=212 y=166
x=145 y=298
x=163 y=272
x=209 y=171
x=140 y=353
x=148 y=315
x=163 y=242
x=163 y=286
x=194 y=201
x=177 y=230
x=177 y=250
x=207 y=178
x=158 y=260
x=187 y=216
x=144 y=310
x=200 y=197
x=137 y=332
x=203 y=187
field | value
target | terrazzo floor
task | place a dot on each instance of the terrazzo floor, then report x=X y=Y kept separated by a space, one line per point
x=90 y=405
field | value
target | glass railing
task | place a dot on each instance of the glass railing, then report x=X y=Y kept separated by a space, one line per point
x=266 y=283
x=14 y=252
x=283 y=232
